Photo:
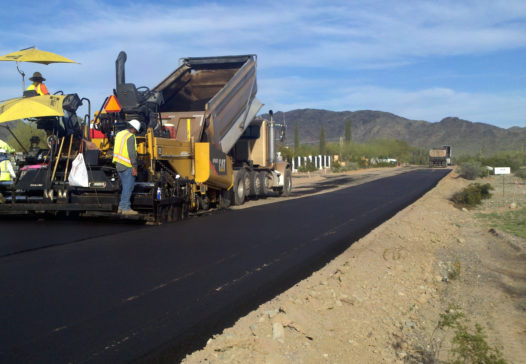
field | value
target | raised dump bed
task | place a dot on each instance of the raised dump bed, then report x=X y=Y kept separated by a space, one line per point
x=210 y=99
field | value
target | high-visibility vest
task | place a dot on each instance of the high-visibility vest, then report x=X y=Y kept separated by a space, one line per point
x=5 y=175
x=39 y=89
x=120 y=150
x=6 y=147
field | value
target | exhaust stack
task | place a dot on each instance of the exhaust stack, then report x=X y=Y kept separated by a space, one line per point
x=271 y=140
x=119 y=68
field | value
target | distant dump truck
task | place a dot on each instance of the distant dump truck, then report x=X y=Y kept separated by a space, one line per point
x=440 y=157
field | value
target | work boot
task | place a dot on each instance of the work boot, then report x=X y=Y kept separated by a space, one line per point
x=129 y=212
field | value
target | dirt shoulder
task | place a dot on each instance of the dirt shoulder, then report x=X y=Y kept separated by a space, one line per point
x=380 y=301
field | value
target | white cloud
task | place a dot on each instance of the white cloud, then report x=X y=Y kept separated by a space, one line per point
x=348 y=34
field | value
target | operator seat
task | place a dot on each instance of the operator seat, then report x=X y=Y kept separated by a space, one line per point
x=129 y=97
x=144 y=103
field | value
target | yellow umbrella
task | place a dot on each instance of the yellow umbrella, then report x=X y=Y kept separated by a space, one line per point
x=31 y=107
x=34 y=55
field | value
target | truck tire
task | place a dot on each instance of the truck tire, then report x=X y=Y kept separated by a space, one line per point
x=239 y=189
x=247 y=183
x=287 y=183
x=255 y=184
x=263 y=182
x=225 y=198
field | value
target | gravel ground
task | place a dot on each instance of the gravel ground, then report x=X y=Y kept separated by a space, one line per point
x=380 y=301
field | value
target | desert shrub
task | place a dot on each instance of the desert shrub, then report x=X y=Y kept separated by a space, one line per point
x=473 y=194
x=484 y=190
x=352 y=166
x=384 y=164
x=471 y=170
x=471 y=347
x=512 y=159
x=336 y=166
x=454 y=270
x=308 y=167
x=521 y=173
x=467 y=345
x=419 y=156
x=286 y=152
x=504 y=159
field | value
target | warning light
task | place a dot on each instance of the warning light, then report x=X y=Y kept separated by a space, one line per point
x=112 y=105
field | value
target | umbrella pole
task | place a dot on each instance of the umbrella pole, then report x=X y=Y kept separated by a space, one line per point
x=23 y=75
x=58 y=159
x=69 y=154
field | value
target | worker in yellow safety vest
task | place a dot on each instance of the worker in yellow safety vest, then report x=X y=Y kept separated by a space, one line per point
x=38 y=84
x=125 y=158
x=6 y=147
x=7 y=173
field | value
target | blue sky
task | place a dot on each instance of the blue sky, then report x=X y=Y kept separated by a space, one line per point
x=422 y=60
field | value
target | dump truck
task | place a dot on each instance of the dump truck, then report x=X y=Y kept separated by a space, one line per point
x=440 y=157
x=201 y=146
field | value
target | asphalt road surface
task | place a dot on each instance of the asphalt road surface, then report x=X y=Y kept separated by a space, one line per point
x=88 y=291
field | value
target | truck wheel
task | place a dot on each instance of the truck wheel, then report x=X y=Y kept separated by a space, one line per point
x=239 y=187
x=287 y=183
x=255 y=184
x=225 y=198
x=247 y=184
x=264 y=190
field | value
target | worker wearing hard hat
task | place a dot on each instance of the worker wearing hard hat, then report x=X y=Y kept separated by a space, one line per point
x=125 y=158
x=7 y=173
x=38 y=84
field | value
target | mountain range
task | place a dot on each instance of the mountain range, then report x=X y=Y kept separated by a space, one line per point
x=465 y=137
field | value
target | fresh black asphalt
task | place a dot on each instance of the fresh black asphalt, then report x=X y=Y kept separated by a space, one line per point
x=87 y=291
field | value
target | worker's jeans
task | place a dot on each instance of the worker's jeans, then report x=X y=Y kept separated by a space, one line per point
x=128 y=182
